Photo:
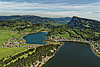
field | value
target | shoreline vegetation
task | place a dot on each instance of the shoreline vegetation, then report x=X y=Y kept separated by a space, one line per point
x=23 y=42
x=76 y=41
x=24 y=34
x=44 y=31
x=6 y=62
x=47 y=58
x=92 y=45
x=53 y=54
x=12 y=52
x=53 y=41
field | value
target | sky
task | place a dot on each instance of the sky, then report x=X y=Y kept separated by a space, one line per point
x=52 y=8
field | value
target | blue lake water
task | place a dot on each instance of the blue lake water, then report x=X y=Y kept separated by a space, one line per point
x=68 y=55
x=36 y=38
x=74 y=55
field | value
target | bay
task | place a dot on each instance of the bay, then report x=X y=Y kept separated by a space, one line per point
x=74 y=55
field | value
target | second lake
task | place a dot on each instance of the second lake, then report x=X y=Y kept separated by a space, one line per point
x=36 y=38
x=74 y=55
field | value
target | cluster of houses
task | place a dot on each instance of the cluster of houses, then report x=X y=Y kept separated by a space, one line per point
x=12 y=42
x=96 y=47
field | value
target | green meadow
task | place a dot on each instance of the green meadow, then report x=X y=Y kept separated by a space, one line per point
x=4 y=36
x=67 y=35
x=20 y=50
x=46 y=29
x=4 y=52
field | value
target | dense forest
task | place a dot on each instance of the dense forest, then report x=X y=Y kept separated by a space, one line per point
x=37 y=55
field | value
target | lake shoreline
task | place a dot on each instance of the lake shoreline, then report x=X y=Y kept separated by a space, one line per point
x=28 y=33
x=94 y=51
x=44 y=31
x=86 y=42
x=52 y=55
x=48 y=58
x=75 y=53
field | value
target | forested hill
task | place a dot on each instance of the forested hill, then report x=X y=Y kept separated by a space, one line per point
x=30 y=18
x=61 y=20
x=83 y=23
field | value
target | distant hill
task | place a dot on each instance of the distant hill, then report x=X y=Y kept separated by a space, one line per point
x=30 y=18
x=62 y=21
x=83 y=23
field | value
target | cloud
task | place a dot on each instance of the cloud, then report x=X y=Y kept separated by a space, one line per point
x=57 y=9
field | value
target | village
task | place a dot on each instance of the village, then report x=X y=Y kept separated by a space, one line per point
x=12 y=42
x=95 y=46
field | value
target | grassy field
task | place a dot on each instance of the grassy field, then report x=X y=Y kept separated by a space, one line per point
x=5 y=35
x=46 y=29
x=4 y=52
x=51 y=42
x=67 y=35
x=25 y=56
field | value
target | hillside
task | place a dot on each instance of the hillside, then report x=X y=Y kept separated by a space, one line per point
x=62 y=21
x=63 y=32
x=83 y=23
x=30 y=18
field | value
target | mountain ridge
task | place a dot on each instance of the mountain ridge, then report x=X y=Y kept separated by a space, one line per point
x=30 y=18
x=84 y=23
x=62 y=20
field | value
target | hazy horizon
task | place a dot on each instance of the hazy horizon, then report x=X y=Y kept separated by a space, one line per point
x=53 y=8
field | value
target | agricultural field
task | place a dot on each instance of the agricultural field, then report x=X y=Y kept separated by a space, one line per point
x=67 y=35
x=6 y=34
x=4 y=52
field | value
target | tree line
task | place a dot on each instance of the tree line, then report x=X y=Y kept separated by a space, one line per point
x=75 y=33
x=40 y=52
x=21 y=26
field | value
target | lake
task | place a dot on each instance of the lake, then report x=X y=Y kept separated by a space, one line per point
x=36 y=38
x=68 y=55
x=74 y=55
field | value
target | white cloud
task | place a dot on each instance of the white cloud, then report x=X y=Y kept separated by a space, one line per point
x=25 y=5
x=59 y=9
